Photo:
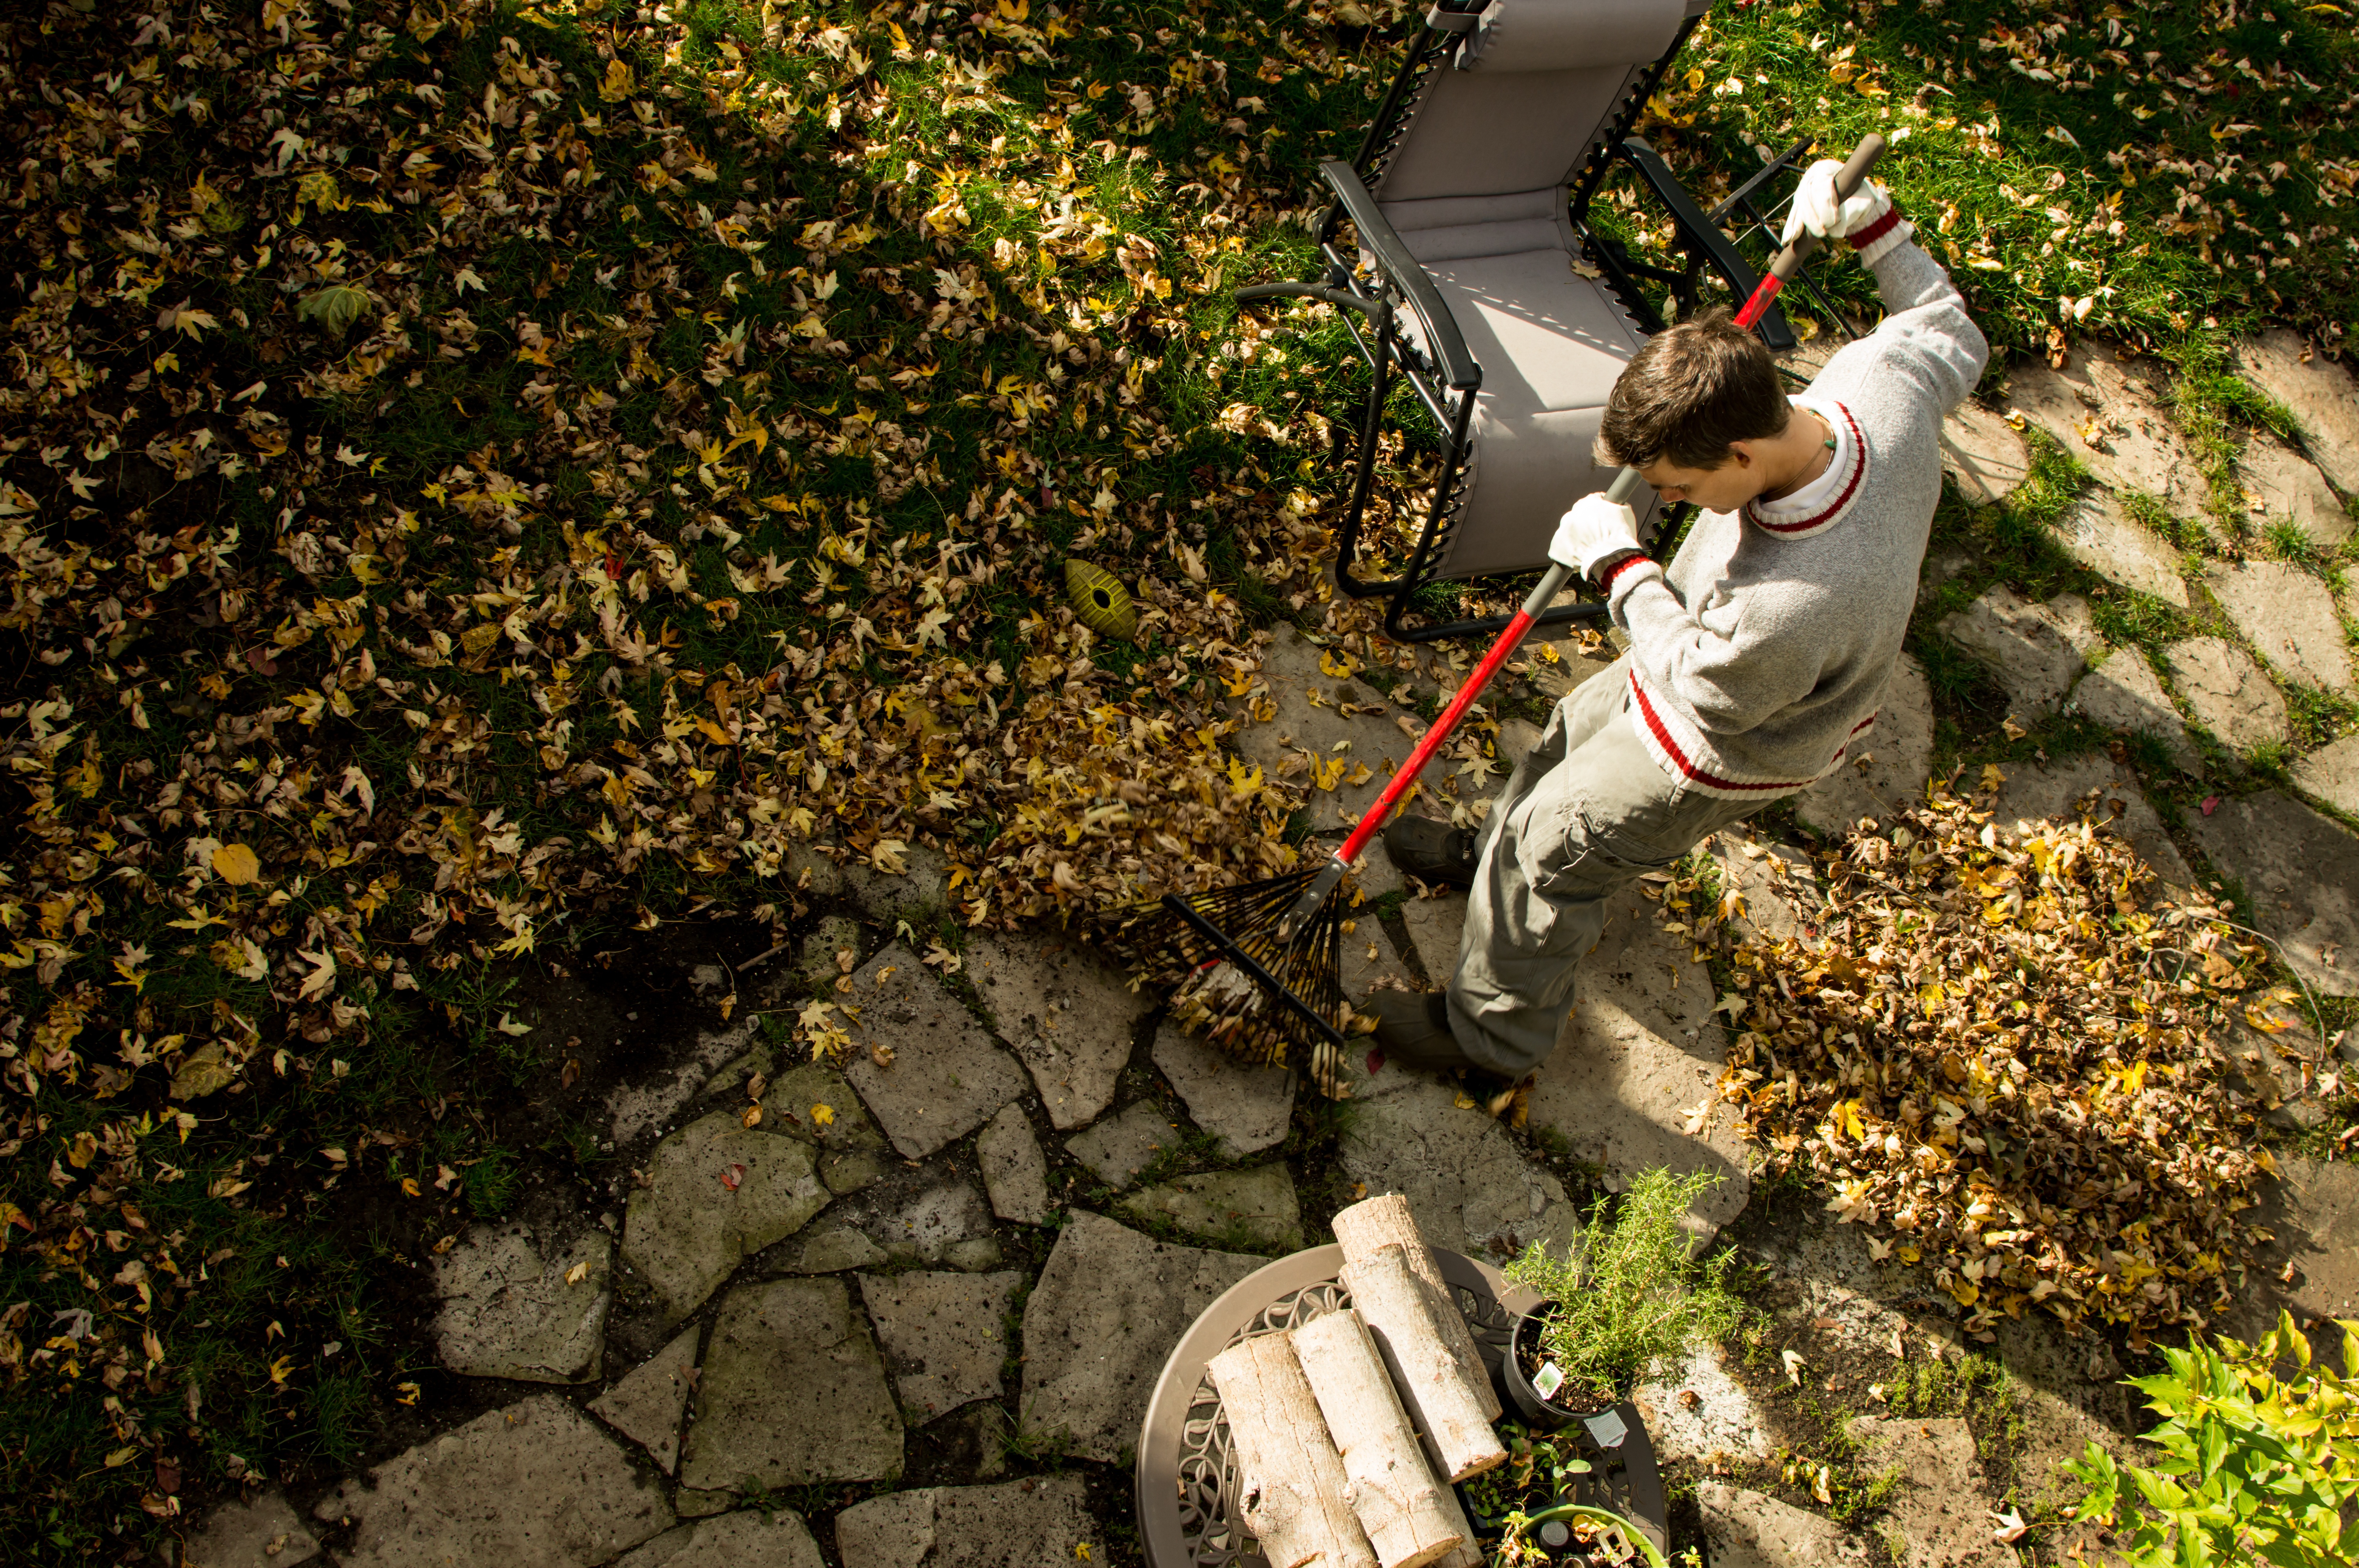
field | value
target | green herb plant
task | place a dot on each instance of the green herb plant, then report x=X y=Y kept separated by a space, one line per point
x=1631 y=1290
x=2256 y=1467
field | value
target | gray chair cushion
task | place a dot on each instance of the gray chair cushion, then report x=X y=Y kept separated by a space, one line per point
x=1448 y=228
x=1551 y=35
x=1550 y=343
x=1486 y=134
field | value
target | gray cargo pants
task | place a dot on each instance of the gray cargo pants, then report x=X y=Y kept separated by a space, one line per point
x=1585 y=813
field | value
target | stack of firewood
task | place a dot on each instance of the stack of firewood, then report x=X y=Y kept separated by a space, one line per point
x=1351 y=1429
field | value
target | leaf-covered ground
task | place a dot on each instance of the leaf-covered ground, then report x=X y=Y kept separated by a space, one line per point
x=481 y=478
x=2006 y=1055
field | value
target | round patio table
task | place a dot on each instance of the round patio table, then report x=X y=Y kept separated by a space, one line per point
x=1187 y=1479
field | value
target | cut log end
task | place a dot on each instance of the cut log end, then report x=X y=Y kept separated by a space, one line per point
x=1409 y=1520
x=1368 y=1227
x=1294 y=1493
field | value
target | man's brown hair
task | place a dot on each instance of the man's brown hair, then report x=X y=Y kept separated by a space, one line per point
x=1688 y=393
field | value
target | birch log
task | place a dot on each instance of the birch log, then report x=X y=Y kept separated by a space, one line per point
x=1404 y=1314
x=1410 y=1521
x=1385 y=1221
x=1295 y=1493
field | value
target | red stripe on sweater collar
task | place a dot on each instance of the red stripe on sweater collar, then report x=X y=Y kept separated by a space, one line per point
x=1834 y=510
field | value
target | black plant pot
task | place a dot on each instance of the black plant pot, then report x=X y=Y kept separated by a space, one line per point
x=1542 y=1414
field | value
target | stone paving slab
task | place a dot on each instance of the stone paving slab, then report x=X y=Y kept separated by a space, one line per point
x=1778 y=887
x=822 y=951
x=928 y=1213
x=1254 y=1207
x=1245 y=1106
x=1938 y=1514
x=1897 y=755
x=513 y=1307
x=2035 y=651
x=1631 y=1084
x=2300 y=871
x=2053 y=791
x=2331 y=773
x=536 y=1485
x=2096 y=532
x=2289 y=616
x=1983 y=454
x=2137 y=446
x=1436 y=928
x=2269 y=1073
x=262 y=1533
x=644 y=1104
x=832 y=1248
x=1309 y=719
x=717 y=1191
x=1372 y=964
x=2323 y=395
x=2287 y=487
x=1694 y=1410
x=944 y=1078
x=1015 y=1172
x=1098 y=1325
x=1069 y=1017
x=793 y=1391
x=2063 y=1408
x=2321 y=1201
x=2227 y=692
x=1119 y=1149
x=922 y=883
x=943 y=1336
x=1375 y=875
x=1558 y=678
x=2122 y=692
x=1747 y=1530
x=747 y=1539
x=645 y=1405
x=1031 y=1523
x=1469 y=1187
x=792 y=1103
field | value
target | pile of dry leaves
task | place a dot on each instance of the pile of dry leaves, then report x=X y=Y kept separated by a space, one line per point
x=2005 y=1051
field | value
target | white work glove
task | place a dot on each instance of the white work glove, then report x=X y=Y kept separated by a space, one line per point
x=1861 y=214
x=1594 y=532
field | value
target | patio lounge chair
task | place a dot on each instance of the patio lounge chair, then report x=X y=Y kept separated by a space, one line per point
x=1479 y=279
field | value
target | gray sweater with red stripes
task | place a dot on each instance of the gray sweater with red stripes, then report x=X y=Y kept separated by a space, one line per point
x=1759 y=656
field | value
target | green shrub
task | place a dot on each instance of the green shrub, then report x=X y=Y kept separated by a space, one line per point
x=1632 y=1290
x=2256 y=1467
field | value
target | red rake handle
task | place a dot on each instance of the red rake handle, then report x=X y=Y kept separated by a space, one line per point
x=1626 y=485
x=1806 y=244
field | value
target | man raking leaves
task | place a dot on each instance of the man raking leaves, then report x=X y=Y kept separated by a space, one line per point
x=1757 y=656
x=1261 y=961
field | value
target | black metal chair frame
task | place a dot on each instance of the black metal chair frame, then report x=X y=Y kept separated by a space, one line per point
x=1442 y=374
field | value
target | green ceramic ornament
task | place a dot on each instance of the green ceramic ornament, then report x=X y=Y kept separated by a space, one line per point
x=1100 y=600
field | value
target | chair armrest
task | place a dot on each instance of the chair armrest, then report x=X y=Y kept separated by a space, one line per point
x=1443 y=339
x=1701 y=239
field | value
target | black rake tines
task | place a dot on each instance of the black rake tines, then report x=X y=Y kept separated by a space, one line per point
x=1267 y=978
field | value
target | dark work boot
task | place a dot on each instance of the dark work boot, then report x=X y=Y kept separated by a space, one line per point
x=1432 y=851
x=1414 y=1031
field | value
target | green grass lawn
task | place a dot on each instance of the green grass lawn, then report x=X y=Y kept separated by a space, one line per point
x=484 y=479
x=2081 y=169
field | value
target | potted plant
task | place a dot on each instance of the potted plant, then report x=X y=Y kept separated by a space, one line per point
x=1628 y=1292
x=1530 y=1506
